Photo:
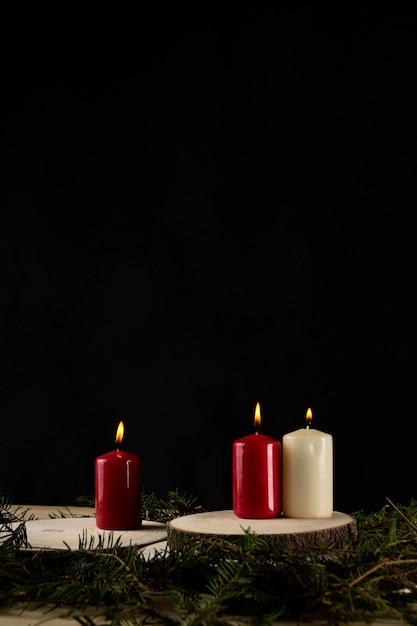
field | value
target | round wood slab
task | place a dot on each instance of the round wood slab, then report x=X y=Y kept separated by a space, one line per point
x=68 y=532
x=338 y=530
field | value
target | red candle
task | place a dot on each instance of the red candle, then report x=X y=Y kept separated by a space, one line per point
x=118 y=489
x=257 y=474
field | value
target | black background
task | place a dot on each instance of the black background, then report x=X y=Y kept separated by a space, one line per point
x=205 y=207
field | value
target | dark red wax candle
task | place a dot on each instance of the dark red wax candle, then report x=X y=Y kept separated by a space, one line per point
x=257 y=475
x=118 y=489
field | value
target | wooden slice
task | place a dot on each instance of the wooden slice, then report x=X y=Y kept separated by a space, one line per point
x=70 y=532
x=339 y=530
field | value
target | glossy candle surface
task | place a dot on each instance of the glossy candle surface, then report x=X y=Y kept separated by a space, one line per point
x=307 y=474
x=256 y=477
x=118 y=491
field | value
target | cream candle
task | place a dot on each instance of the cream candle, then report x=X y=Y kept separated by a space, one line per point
x=307 y=472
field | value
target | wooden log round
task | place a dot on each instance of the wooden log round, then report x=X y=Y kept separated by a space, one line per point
x=70 y=532
x=338 y=531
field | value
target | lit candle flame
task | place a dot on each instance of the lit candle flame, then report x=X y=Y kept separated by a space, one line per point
x=309 y=417
x=120 y=433
x=257 y=419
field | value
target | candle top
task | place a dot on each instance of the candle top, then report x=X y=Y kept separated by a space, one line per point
x=256 y=438
x=121 y=455
x=307 y=432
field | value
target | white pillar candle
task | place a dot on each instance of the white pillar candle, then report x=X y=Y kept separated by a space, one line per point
x=307 y=473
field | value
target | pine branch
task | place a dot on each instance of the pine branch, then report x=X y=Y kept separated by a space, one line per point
x=378 y=566
x=396 y=508
x=228 y=581
x=163 y=510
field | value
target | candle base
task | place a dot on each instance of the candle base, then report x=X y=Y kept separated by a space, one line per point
x=119 y=526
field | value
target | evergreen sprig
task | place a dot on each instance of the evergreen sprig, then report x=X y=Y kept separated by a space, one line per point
x=246 y=580
x=164 y=509
x=158 y=509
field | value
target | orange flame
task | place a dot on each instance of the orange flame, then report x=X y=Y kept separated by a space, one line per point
x=257 y=419
x=120 y=433
x=309 y=417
